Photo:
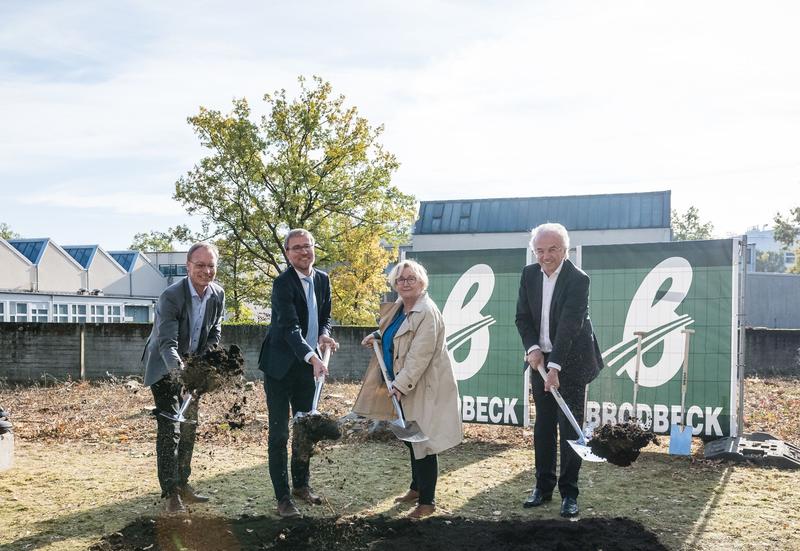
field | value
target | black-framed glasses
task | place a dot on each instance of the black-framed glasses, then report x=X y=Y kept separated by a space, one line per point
x=401 y=280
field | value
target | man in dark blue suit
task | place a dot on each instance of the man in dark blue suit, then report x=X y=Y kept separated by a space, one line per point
x=553 y=321
x=301 y=321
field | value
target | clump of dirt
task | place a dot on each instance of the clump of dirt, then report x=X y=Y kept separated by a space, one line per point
x=379 y=533
x=204 y=373
x=621 y=443
x=310 y=429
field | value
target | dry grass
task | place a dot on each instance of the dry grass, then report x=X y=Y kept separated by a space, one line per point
x=85 y=467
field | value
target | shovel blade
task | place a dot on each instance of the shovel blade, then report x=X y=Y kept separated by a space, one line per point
x=585 y=452
x=410 y=432
x=680 y=440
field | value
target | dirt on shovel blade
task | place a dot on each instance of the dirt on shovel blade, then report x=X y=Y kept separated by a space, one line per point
x=310 y=429
x=621 y=443
x=204 y=373
x=379 y=533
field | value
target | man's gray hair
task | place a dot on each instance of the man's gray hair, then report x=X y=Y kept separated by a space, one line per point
x=297 y=232
x=202 y=245
x=550 y=227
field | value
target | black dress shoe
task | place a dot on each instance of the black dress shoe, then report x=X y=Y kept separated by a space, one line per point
x=569 y=507
x=537 y=498
x=190 y=495
x=287 y=508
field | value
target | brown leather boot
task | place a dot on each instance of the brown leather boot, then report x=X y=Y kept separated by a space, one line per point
x=190 y=495
x=410 y=496
x=422 y=510
x=307 y=494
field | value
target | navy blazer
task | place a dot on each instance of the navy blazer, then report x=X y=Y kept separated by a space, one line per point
x=575 y=347
x=285 y=341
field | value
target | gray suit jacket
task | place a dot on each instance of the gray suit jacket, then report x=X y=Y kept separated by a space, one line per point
x=169 y=339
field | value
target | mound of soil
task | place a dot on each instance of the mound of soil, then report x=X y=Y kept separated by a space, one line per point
x=310 y=429
x=621 y=443
x=207 y=372
x=378 y=533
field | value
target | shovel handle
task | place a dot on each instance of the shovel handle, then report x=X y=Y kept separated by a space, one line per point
x=639 y=336
x=685 y=374
x=378 y=353
x=326 y=357
x=563 y=405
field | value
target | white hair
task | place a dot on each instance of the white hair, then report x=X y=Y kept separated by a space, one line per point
x=416 y=268
x=550 y=227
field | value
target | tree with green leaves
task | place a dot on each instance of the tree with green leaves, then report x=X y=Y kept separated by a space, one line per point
x=787 y=232
x=158 y=241
x=688 y=227
x=360 y=281
x=243 y=286
x=770 y=261
x=6 y=232
x=311 y=162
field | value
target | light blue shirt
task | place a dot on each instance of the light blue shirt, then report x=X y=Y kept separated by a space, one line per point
x=198 y=315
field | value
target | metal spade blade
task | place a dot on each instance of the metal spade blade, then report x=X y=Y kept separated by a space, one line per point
x=179 y=414
x=318 y=382
x=407 y=431
x=579 y=445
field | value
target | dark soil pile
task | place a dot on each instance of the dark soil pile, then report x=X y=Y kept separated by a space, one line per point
x=310 y=429
x=379 y=533
x=216 y=368
x=621 y=443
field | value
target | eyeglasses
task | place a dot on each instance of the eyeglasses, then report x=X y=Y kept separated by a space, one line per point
x=202 y=266
x=401 y=280
x=299 y=248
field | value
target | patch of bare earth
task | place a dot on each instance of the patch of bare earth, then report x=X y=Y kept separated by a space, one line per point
x=85 y=476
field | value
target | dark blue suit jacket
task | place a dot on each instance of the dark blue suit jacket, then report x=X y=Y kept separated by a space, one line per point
x=285 y=343
x=575 y=347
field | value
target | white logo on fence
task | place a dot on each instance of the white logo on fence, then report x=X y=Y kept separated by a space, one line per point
x=465 y=324
x=653 y=310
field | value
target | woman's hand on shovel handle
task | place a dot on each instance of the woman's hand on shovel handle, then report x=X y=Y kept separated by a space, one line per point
x=396 y=393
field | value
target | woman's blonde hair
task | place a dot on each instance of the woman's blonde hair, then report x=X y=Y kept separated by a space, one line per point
x=416 y=268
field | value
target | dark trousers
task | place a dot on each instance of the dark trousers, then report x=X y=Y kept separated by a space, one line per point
x=424 y=474
x=296 y=389
x=174 y=441
x=551 y=423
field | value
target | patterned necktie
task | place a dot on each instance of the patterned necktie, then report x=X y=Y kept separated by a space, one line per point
x=313 y=321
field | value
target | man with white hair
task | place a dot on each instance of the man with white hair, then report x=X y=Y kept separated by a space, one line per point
x=553 y=321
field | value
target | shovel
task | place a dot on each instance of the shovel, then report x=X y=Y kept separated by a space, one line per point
x=635 y=415
x=580 y=445
x=407 y=431
x=179 y=413
x=680 y=436
x=318 y=382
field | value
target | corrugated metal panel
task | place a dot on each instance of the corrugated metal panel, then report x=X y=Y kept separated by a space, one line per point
x=772 y=300
x=579 y=212
x=83 y=254
x=32 y=249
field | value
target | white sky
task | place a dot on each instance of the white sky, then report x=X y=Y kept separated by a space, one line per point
x=478 y=99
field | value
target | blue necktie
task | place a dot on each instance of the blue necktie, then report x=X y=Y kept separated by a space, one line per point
x=313 y=322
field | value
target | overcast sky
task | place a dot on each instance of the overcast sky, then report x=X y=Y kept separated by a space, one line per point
x=478 y=99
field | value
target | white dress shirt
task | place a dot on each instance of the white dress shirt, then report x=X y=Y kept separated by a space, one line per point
x=548 y=286
x=198 y=315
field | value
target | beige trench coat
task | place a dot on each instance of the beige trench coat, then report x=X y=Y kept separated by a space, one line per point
x=423 y=373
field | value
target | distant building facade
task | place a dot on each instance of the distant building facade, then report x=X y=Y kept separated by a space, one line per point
x=41 y=281
x=762 y=240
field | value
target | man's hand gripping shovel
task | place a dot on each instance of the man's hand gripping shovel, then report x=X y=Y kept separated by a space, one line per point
x=581 y=444
x=408 y=431
x=318 y=381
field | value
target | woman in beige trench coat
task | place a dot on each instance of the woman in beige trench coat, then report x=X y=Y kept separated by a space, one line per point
x=411 y=334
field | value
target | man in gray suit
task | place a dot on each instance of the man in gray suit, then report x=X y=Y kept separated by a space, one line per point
x=188 y=320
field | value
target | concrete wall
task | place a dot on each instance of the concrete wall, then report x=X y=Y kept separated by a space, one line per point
x=28 y=351
x=771 y=352
x=773 y=300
